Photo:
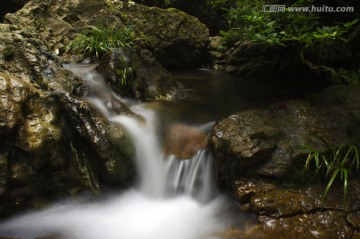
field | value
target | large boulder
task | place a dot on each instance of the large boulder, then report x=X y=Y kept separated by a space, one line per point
x=135 y=72
x=178 y=39
x=213 y=18
x=52 y=143
x=258 y=162
x=260 y=142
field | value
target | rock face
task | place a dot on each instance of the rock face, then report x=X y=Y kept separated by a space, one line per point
x=200 y=9
x=177 y=38
x=136 y=73
x=52 y=144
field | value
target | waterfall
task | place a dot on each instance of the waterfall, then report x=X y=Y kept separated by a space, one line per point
x=172 y=199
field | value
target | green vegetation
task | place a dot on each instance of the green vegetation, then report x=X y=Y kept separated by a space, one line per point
x=332 y=162
x=318 y=45
x=97 y=40
x=249 y=22
x=124 y=74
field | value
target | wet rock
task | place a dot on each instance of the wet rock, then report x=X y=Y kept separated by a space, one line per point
x=257 y=161
x=323 y=225
x=177 y=38
x=299 y=211
x=283 y=203
x=245 y=189
x=48 y=151
x=183 y=141
x=260 y=142
x=211 y=17
x=136 y=73
x=52 y=144
x=29 y=59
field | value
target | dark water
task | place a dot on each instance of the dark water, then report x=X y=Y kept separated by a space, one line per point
x=220 y=95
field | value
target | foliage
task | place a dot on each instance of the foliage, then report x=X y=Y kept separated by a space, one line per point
x=249 y=22
x=124 y=74
x=97 y=40
x=334 y=162
x=351 y=77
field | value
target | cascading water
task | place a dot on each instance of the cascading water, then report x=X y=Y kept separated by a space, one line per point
x=173 y=199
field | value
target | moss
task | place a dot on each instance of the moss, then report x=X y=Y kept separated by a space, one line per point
x=8 y=53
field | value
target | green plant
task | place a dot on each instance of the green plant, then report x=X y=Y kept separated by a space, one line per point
x=124 y=74
x=334 y=162
x=97 y=40
x=249 y=22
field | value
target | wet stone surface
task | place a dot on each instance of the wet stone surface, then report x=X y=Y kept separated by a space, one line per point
x=284 y=212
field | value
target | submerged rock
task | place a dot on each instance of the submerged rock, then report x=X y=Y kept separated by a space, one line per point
x=184 y=141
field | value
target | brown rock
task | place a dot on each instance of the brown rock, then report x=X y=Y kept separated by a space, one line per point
x=183 y=141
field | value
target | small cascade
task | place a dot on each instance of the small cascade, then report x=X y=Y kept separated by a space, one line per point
x=173 y=198
x=193 y=176
x=163 y=176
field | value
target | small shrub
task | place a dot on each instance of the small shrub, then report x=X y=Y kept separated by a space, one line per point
x=97 y=40
x=124 y=74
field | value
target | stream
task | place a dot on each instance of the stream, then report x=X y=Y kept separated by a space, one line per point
x=172 y=198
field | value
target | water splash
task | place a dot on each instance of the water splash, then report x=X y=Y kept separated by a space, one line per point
x=173 y=198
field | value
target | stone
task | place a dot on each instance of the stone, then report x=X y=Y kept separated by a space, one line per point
x=52 y=143
x=323 y=225
x=178 y=39
x=136 y=73
x=263 y=141
x=184 y=141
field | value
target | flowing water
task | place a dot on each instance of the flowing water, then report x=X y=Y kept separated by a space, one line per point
x=173 y=198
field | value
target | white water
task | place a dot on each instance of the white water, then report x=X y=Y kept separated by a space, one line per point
x=173 y=199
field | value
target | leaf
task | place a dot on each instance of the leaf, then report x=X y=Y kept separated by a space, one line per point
x=344 y=176
x=329 y=184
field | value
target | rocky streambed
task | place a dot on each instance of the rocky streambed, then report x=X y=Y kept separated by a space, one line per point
x=55 y=145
